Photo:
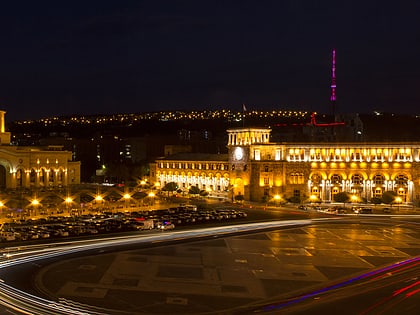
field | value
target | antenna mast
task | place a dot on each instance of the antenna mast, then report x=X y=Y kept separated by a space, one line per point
x=333 y=84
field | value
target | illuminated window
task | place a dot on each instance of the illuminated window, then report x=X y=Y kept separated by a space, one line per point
x=357 y=179
x=377 y=192
x=379 y=179
x=278 y=155
x=316 y=179
x=401 y=180
x=297 y=178
x=335 y=190
x=336 y=179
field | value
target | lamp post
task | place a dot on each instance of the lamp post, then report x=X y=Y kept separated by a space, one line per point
x=398 y=200
x=151 y=195
x=277 y=199
x=99 y=199
x=35 y=204
x=68 y=201
x=126 y=197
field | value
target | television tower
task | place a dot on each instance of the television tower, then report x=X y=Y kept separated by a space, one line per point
x=333 y=85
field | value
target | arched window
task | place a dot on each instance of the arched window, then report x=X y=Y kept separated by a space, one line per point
x=32 y=176
x=357 y=179
x=51 y=177
x=19 y=178
x=316 y=179
x=60 y=176
x=379 y=179
x=401 y=180
x=336 y=179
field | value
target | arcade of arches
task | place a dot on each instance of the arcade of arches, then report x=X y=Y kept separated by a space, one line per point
x=34 y=167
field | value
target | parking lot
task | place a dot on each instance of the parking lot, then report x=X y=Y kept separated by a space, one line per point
x=113 y=222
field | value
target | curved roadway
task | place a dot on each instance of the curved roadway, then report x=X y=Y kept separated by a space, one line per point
x=224 y=270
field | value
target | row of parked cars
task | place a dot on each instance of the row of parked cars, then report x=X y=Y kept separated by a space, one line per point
x=341 y=210
x=91 y=224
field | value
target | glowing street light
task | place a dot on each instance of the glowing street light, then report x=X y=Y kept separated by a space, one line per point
x=277 y=199
x=398 y=200
x=68 y=201
x=126 y=197
x=99 y=198
x=35 y=204
x=152 y=195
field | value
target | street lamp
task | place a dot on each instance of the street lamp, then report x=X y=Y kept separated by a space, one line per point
x=151 y=195
x=35 y=203
x=142 y=183
x=398 y=200
x=68 y=201
x=126 y=197
x=99 y=199
x=277 y=199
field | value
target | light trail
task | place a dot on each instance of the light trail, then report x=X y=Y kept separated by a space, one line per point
x=369 y=276
x=26 y=303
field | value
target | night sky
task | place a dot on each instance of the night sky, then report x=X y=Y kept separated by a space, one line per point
x=103 y=57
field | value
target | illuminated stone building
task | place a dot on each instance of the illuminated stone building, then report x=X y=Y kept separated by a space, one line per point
x=34 y=167
x=259 y=169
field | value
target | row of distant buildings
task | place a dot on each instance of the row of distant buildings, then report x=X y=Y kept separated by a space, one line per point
x=252 y=164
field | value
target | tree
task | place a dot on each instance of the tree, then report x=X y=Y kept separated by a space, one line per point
x=170 y=187
x=294 y=199
x=376 y=200
x=388 y=197
x=204 y=193
x=342 y=197
x=194 y=190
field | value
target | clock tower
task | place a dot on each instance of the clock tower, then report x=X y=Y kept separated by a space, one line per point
x=240 y=144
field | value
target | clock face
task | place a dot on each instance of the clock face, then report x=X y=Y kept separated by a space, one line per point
x=238 y=153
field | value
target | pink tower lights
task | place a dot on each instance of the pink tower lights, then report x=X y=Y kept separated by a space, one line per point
x=333 y=83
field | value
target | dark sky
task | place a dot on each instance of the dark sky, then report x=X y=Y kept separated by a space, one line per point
x=100 y=57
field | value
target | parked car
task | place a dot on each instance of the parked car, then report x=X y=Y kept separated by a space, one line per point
x=365 y=211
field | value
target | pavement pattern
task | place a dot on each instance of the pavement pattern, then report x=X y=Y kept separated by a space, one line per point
x=216 y=276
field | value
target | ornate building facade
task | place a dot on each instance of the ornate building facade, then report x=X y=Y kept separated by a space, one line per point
x=34 y=167
x=259 y=169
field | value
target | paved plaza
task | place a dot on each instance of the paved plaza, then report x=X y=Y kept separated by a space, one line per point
x=218 y=275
